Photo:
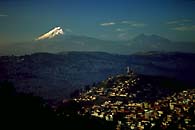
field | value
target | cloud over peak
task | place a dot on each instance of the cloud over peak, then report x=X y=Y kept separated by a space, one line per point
x=51 y=34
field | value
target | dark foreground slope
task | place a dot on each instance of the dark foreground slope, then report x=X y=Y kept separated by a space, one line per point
x=25 y=111
x=55 y=76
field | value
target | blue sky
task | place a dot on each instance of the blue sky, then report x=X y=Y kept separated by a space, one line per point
x=25 y=20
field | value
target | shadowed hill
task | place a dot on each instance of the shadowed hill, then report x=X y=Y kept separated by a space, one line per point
x=55 y=76
x=25 y=111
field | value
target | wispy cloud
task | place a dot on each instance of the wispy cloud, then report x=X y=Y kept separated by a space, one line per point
x=181 y=25
x=68 y=30
x=125 y=25
x=172 y=22
x=51 y=34
x=134 y=23
x=186 y=20
x=108 y=24
x=123 y=36
x=180 y=21
x=3 y=15
x=138 y=25
x=120 y=30
x=127 y=22
x=184 y=28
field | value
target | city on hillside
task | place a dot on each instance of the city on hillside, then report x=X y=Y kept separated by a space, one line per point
x=119 y=99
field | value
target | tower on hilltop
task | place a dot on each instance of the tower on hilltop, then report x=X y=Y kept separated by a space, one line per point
x=129 y=71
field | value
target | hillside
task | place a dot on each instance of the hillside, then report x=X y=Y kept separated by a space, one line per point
x=55 y=76
x=140 y=102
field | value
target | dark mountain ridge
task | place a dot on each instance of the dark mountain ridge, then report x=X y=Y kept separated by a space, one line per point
x=55 y=76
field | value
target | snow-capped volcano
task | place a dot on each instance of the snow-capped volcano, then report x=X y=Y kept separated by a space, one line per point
x=51 y=34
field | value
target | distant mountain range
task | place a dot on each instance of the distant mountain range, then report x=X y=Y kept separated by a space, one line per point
x=55 y=76
x=140 y=43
